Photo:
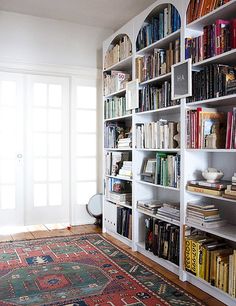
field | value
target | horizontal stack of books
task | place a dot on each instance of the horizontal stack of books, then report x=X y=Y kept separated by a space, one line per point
x=120 y=198
x=158 y=26
x=230 y=191
x=170 y=210
x=119 y=191
x=124 y=143
x=212 y=260
x=201 y=186
x=217 y=38
x=162 y=239
x=149 y=206
x=156 y=135
x=204 y=215
x=126 y=170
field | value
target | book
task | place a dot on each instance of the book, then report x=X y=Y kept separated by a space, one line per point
x=204 y=190
x=217 y=186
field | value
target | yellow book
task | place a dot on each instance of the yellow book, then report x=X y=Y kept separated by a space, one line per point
x=188 y=247
x=204 y=190
x=226 y=275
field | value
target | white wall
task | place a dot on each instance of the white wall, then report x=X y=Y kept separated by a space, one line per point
x=46 y=41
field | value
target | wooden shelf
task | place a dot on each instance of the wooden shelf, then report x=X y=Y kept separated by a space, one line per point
x=224 y=58
x=116 y=93
x=160 y=43
x=160 y=78
x=123 y=64
x=170 y=110
x=225 y=11
x=160 y=217
x=227 y=231
x=119 y=118
x=220 y=101
x=161 y=261
x=157 y=186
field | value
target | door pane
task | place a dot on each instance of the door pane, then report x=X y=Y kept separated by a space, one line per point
x=40 y=94
x=40 y=195
x=54 y=145
x=54 y=120
x=8 y=197
x=86 y=97
x=40 y=169
x=40 y=144
x=7 y=172
x=8 y=93
x=54 y=169
x=55 y=95
x=85 y=121
x=86 y=145
x=55 y=194
x=39 y=120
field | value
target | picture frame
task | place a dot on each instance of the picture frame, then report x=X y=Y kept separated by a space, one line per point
x=132 y=97
x=148 y=171
x=181 y=80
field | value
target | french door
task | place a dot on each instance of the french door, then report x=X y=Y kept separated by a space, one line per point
x=34 y=154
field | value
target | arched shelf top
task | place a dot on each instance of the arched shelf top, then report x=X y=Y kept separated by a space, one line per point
x=118 y=51
x=163 y=21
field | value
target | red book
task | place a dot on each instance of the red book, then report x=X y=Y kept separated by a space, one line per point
x=233 y=33
x=220 y=24
x=228 y=143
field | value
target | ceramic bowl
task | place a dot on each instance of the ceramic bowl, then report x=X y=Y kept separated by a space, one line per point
x=212 y=175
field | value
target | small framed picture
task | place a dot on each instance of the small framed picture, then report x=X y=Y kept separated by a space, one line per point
x=181 y=80
x=132 y=99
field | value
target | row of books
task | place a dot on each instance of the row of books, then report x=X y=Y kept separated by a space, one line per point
x=117 y=52
x=156 y=135
x=162 y=239
x=159 y=208
x=115 y=81
x=153 y=65
x=124 y=222
x=152 y=97
x=115 y=107
x=217 y=38
x=114 y=161
x=206 y=129
x=163 y=170
x=212 y=260
x=213 y=81
x=197 y=9
x=158 y=26
x=204 y=215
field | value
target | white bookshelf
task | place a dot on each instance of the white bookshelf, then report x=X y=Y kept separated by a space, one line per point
x=193 y=161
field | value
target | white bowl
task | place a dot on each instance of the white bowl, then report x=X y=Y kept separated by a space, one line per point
x=212 y=175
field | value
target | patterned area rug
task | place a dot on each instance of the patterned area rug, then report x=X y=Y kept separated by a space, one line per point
x=80 y=270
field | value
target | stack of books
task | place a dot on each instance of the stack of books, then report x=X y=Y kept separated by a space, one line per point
x=230 y=191
x=201 y=186
x=204 y=215
x=114 y=161
x=120 y=198
x=126 y=170
x=119 y=191
x=170 y=210
x=150 y=206
x=125 y=143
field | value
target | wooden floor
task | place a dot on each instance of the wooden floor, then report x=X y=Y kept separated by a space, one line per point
x=43 y=231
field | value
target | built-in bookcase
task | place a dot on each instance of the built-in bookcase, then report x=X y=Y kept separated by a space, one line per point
x=158 y=40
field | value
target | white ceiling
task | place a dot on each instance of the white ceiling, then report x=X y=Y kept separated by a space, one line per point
x=110 y=14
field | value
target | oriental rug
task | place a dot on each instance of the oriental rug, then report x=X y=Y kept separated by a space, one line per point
x=80 y=270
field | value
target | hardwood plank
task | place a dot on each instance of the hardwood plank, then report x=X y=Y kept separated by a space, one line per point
x=23 y=236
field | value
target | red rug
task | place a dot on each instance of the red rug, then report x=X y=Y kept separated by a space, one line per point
x=80 y=270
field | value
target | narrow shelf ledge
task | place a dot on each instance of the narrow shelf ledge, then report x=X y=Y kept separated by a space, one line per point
x=211 y=196
x=122 y=238
x=158 y=150
x=160 y=78
x=116 y=93
x=160 y=217
x=161 y=261
x=118 y=149
x=170 y=110
x=225 y=11
x=118 y=118
x=157 y=186
x=224 y=58
x=120 y=177
x=227 y=231
x=160 y=43
x=212 y=150
x=126 y=64
x=220 y=101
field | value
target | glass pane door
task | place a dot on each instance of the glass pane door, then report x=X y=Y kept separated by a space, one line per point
x=11 y=152
x=47 y=147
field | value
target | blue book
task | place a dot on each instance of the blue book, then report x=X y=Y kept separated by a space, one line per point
x=161 y=25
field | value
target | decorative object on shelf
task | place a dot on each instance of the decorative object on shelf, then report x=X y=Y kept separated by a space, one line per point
x=181 y=80
x=212 y=175
x=132 y=95
x=177 y=136
x=148 y=170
